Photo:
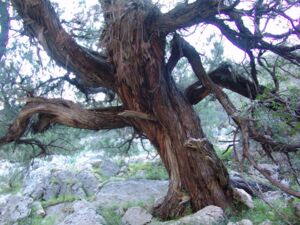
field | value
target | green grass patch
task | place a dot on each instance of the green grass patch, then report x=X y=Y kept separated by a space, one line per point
x=279 y=214
x=152 y=171
x=34 y=219
x=61 y=199
x=112 y=216
x=11 y=183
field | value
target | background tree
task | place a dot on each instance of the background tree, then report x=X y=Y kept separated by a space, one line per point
x=132 y=65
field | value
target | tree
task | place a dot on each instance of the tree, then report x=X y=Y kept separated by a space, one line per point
x=133 y=65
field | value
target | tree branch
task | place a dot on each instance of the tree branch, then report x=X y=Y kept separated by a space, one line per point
x=247 y=127
x=4 y=21
x=41 y=22
x=57 y=111
x=186 y=15
x=247 y=41
x=224 y=77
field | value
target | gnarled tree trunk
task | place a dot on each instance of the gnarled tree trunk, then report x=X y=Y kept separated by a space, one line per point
x=134 y=67
x=145 y=86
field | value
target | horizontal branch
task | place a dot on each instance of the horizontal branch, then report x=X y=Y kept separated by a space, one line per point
x=247 y=41
x=186 y=15
x=224 y=77
x=57 y=111
x=41 y=22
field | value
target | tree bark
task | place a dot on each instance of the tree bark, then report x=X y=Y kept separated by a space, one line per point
x=145 y=86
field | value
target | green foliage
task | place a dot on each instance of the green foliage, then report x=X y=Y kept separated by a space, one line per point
x=278 y=214
x=61 y=199
x=11 y=183
x=34 y=219
x=153 y=171
x=226 y=154
x=111 y=215
x=98 y=173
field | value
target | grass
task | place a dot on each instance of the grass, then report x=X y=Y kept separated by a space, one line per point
x=112 y=216
x=153 y=171
x=34 y=219
x=11 y=183
x=61 y=199
x=279 y=214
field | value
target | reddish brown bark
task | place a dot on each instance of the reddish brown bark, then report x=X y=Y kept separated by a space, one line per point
x=145 y=86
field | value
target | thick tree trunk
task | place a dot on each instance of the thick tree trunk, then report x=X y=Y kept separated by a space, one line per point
x=144 y=85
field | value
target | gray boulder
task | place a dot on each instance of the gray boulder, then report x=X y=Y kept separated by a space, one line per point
x=107 y=167
x=59 y=211
x=38 y=208
x=89 y=181
x=243 y=197
x=14 y=208
x=59 y=183
x=136 y=216
x=83 y=214
x=210 y=215
x=120 y=192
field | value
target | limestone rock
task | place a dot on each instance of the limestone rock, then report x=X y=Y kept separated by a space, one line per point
x=89 y=181
x=39 y=209
x=62 y=183
x=136 y=216
x=244 y=197
x=59 y=211
x=14 y=208
x=83 y=213
x=108 y=168
x=120 y=192
x=210 y=215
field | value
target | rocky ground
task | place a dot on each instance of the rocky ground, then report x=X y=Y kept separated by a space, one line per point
x=92 y=190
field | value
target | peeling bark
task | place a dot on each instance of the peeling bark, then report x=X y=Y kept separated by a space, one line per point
x=146 y=87
x=58 y=111
x=134 y=36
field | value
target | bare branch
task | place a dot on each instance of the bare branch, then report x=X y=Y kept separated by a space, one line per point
x=245 y=125
x=58 y=111
x=41 y=22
